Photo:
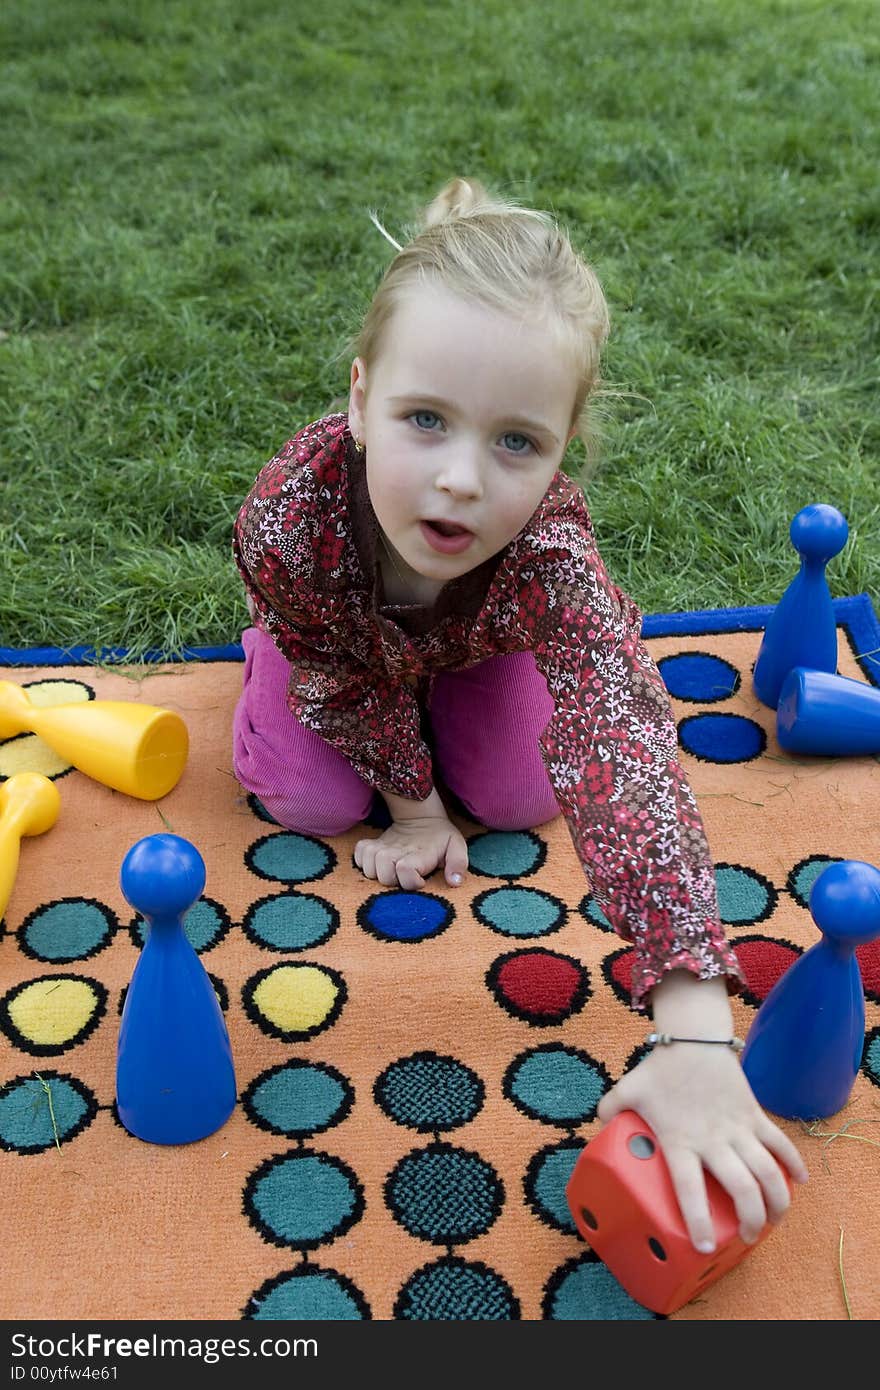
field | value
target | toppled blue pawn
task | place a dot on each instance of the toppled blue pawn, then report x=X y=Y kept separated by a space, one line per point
x=804 y=1048
x=175 y=1079
x=830 y=715
x=802 y=629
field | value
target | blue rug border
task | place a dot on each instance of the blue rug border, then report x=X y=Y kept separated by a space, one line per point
x=854 y=613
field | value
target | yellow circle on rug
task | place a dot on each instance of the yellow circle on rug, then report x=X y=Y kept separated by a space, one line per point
x=52 y=1012
x=296 y=998
x=27 y=752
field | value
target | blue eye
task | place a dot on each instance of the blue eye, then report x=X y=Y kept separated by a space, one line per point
x=525 y=441
x=421 y=414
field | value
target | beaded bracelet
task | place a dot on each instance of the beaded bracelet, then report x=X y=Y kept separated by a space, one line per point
x=662 y=1039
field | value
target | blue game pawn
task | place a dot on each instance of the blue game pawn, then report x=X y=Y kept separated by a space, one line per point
x=804 y=1048
x=830 y=715
x=175 y=1080
x=802 y=630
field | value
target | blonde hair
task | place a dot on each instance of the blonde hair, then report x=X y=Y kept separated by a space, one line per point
x=509 y=258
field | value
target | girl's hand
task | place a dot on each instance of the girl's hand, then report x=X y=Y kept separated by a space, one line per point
x=700 y=1106
x=409 y=849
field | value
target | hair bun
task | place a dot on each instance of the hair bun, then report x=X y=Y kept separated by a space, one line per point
x=459 y=198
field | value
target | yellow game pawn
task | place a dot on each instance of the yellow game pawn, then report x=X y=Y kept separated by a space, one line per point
x=137 y=749
x=29 y=805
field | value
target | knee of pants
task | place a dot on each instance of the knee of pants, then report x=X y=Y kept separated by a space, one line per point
x=307 y=804
x=304 y=817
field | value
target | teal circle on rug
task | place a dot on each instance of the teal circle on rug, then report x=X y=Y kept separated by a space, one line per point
x=593 y=912
x=71 y=929
x=505 y=853
x=520 y=912
x=203 y=925
x=290 y=922
x=307 y=1295
x=299 y=1098
x=872 y=1058
x=557 y=1084
x=289 y=858
x=804 y=875
x=453 y=1290
x=444 y=1194
x=546 y=1181
x=26 y=1115
x=304 y=1199
x=744 y=895
x=429 y=1093
x=589 y=1292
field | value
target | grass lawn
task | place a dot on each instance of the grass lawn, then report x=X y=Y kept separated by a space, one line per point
x=185 y=246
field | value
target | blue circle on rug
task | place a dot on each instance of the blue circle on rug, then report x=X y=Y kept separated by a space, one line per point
x=305 y=1198
x=872 y=1057
x=71 y=929
x=804 y=875
x=203 y=926
x=289 y=858
x=589 y=1292
x=26 y=1115
x=454 y=1291
x=444 y=1195
x=699 y=677
x=402 y=916
x=291 y=922
x=546 y=1182
x=556 y=1084
x=505 y=853
x=310 y=1294
x=744 y=895
x=722 y=738
x=429 y=1093
x=520 y=912
x=298 y=1098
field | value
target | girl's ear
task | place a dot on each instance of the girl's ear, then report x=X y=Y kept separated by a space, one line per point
x=357 y=398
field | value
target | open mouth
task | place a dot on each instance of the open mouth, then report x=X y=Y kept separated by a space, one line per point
x=445 y=538
x=446 y=528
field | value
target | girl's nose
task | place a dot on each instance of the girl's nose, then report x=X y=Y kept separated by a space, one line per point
x=461 y=475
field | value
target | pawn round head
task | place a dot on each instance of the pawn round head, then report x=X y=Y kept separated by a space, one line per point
x=845 y=901
x=819 y=531
x=162 y=876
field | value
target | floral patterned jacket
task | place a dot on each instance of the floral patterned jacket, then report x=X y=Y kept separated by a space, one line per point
x=306 y=543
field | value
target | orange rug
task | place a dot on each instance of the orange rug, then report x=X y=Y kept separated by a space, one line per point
x=408 y=1111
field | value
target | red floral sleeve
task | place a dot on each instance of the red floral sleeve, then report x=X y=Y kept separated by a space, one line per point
x=371 y=717
x=611 y=751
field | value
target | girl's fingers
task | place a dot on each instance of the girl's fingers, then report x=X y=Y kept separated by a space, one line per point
x=769 y=1175
x=740 y=1183
x=785 y=1150
x=689 y=1183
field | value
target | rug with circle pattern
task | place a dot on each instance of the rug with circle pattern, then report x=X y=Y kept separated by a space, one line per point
x=417 y=1072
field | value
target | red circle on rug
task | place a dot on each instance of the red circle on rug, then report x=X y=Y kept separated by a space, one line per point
x=868 y=957
x=763 y=963
x=540 y=985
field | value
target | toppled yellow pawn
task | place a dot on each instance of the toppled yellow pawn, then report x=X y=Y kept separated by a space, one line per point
x=137 y=749
x=29 y=805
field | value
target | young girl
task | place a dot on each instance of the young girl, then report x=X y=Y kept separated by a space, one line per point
x=421 y=570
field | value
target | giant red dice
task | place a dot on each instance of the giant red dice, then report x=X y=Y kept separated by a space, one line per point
x=624 y=1205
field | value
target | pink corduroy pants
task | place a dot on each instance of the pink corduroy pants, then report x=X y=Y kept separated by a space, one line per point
x=484 y=727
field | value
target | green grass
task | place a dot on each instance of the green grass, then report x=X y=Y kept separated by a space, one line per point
x=185 y=247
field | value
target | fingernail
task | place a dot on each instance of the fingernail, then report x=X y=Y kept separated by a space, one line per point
x=456 y=878
x=705 y=1247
